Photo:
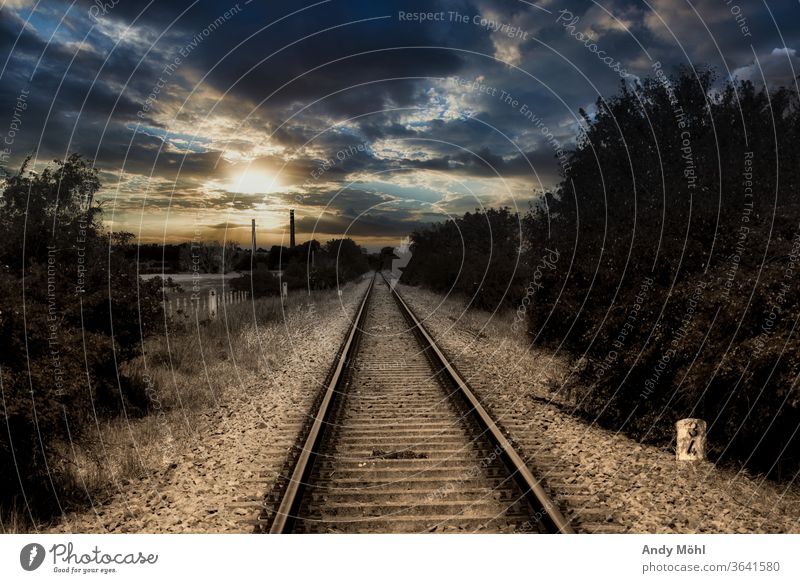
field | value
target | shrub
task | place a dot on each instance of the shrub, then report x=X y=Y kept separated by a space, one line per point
x=335 y=263
x=477 y=255
x=72 y=309
x=685 y=240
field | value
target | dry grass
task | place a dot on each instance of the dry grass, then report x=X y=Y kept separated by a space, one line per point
x=13 y=520
x=190 y=369
x=186 y=373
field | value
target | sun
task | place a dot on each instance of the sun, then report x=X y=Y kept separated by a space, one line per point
x=254 y=181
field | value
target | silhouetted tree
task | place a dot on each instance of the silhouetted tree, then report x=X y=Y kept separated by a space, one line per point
x=477 y=254
x=680 y=236
x=71 y=310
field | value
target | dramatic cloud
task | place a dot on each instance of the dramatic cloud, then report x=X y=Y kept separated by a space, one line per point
x=369 y=118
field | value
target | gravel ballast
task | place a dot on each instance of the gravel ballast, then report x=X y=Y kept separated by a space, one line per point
x=605 y=481
x=218 y=473
x=215 y=476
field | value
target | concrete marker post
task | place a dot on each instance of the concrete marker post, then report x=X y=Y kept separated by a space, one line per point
x=691 y=440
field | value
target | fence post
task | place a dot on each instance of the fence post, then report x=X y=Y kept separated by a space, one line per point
x=212 y=304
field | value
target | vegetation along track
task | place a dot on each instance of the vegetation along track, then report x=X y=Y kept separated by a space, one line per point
x=399 y=443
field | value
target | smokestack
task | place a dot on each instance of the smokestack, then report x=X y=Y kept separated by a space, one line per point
x=254 y=237
x=291 y=229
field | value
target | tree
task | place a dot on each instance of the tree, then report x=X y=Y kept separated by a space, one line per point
x=309 y=266
x=71 y=310
x=348 y=257
x=210 y=257
x=477 y=255
x=681 y=232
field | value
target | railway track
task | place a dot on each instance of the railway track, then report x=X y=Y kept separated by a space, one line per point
x=398 y=443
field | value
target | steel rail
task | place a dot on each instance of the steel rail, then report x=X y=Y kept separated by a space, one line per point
x=552 y=517
x=290 y=501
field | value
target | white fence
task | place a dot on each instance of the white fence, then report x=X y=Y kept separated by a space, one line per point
x=204 y=305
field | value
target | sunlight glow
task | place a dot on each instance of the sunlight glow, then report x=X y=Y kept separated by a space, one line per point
x=254 y=181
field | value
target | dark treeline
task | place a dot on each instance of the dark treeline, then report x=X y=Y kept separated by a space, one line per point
x=477 y=255
x=309 y=266
x=197 y=256
x=63 y=276
x=192 y=256
x=214 y=257
x=672 y=248
x=208 y=257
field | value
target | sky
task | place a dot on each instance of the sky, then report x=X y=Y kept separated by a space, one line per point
x=369 y=118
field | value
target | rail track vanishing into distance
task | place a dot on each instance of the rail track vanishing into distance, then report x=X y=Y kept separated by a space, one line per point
x=397 y=442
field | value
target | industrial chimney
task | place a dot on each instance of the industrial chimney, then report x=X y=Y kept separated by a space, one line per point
x=253 y=238
x=291 y=229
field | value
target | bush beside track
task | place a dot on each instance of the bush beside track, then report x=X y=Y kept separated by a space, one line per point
x=677 y=232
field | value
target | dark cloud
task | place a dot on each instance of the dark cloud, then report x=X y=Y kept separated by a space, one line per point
x=258 y=87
